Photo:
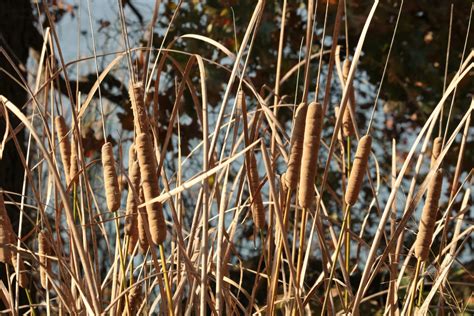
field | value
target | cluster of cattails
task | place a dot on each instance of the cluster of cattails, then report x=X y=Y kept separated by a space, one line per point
x=309 y=157
x=147 y=165
x=8 y=239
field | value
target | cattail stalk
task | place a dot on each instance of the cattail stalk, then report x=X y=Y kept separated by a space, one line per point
x=64 y=144
x=292 y=174
x=359 y=168
x=112 y=192
x=146 y=159
x=309 y=159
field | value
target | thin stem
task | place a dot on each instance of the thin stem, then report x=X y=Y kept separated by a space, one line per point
x=167 y=284
x=348 y=235
x=412 y=297
x=334 y=263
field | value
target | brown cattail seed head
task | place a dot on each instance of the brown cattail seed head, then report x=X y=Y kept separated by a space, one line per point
x=138 y=106
x=21 y=275
x=44 y=251
x=358 y=169
x=64 y=144
x=437 y=146
x=347 y=126
x=309 y=159
x=74 y=162
x=112 y=191
x=134 y=298
x=146 y=159
x=141 y=220
x=131 y=228
x=5 y=233
x=292 y=174
x=258 y=211
x=339 y=133
x=428 y=217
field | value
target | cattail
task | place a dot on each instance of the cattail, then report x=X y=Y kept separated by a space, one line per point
x=309 y=159
x=5 y=233
x=292 y=174
x=146 y=160
x=134 y=298
x=258 y=211
x=44 y=251
x=143 y=241
x=74 y=168
x=428 y=217
x=21 y=275
x=358 y=169
x=347 y=126
x=64 y=145
x=139 y=111
x=131 y=228
x=437 y=146
x=112 y=192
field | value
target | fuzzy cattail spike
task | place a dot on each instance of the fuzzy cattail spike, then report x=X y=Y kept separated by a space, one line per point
x=437 y=146
x=5 y=233
x=428 y=217
x=44 y=251
x=292 y=174
x=146 y=160
x=358 y=170
x=74 y=168
x=112 y=191
x=64 y=144
x=131 y=228
x=309 y=159
x=139 y=111
x=258 y=211
x=347 y=125
x=21 y=274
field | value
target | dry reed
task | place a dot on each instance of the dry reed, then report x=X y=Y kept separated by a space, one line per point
x=347 y=126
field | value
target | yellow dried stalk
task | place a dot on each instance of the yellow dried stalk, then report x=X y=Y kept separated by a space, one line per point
x=146 y=160
x=64 y=144
x=112 y=191
x=292 y=174
x=428 y=217
x=358 y=169
x=309 y=159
